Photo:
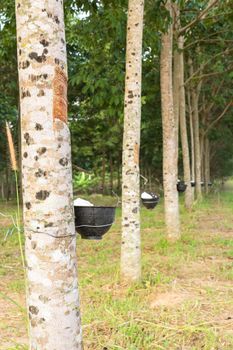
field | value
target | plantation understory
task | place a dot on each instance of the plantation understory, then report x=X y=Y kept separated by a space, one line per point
x=184 y=301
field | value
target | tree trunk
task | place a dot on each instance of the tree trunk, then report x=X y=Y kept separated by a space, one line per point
x=183 y=130
x=169 y=138
x=50 y=240
x=176 y=74
x=196 y=144
x=131 y=241
x=207 y=164
x=191 y=135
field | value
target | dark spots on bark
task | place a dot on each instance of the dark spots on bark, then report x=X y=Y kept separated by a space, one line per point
x=48 y=224
x=45 y=51
x=42 y=195
x=25 y=155
x=126 y=218
x=29 y=236
x=63 y=161
x=28 y=205
x=125 y=186
x=18 y=6
x=36 y=158
x=25 y=94
x=59 y=146
x=38 y=127
x=33 y=310
x=126 y=225
x=41 y=320
x=67 y=312
x=44 y=42
x=136 y=24
x=37 y=58
x=40 y=173
x=56 y=19
x=63 y=41
x=122 y=243
x=130 y=102
x=135 y=210
x=41 y=150
x=19 y=39
x=28 y=138
x=34 y=77
x=57 y=61
x=133 y=53
x=33 y=244
x=20 y=52
x=24 y=64
x=130 y=94
x=41 y=93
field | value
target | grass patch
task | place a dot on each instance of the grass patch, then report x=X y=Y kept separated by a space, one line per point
x=185 y=296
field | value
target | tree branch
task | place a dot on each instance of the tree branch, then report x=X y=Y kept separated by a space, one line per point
x=201 y=15
x=218 y=118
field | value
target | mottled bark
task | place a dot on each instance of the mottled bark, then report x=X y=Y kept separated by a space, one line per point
x=183 y=129
x=169 y=137
x=50 y=241
x=131 y=242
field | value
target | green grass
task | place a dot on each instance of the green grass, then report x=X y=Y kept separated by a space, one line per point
x=183 y=299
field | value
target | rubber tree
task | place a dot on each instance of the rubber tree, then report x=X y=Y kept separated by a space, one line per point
x=170 y=144
x=131 y=242
x=183 y=128
x=50 y=240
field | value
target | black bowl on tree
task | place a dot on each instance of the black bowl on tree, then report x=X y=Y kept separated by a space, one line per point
x=181 y=186
x=93 y=222
x=150 y=203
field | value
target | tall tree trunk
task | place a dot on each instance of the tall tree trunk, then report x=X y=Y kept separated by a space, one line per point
x=176 y=75
x=207 y=164
x=183 y=130
x=131 y=241
x=191 y=135
x=169 y=138
x=50 y=240
x=197 y=144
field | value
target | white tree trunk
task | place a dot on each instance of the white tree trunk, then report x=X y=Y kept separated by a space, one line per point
x=169 y=137
x=53 y=298
x=131 y=242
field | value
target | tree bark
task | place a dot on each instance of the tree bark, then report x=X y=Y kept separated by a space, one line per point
x=207 y=164
x=131 y=241
x=50 y=240
x=196 y=144
x=169 y=137
x=183 y=129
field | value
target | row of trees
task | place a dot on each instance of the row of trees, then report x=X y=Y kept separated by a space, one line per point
x=96 y=90
x=46 y=155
